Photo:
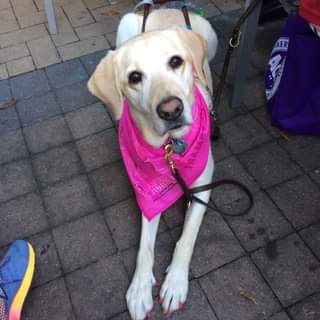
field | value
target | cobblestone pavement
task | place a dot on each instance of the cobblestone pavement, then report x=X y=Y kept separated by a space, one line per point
x=63 y=187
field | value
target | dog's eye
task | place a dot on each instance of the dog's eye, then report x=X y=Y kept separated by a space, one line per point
x=175 y=62
x=135 y=77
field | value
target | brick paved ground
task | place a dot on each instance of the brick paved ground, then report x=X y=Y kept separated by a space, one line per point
x=63 y=187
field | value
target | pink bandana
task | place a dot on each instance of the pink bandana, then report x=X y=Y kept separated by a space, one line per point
x=155 y=187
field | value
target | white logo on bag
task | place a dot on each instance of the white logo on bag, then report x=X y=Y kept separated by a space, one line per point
x=276 y=65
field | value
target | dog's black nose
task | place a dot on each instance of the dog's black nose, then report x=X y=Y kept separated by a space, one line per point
x=170 y=109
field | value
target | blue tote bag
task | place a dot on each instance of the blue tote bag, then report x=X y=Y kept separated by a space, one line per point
x=293 y=79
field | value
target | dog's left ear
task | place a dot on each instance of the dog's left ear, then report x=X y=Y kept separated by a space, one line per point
x=197 y=47
x=104 y=84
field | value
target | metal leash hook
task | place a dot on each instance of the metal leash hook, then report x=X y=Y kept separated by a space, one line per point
x=168 y=156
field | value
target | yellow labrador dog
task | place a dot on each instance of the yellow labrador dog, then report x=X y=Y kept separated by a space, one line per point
x=155 y=72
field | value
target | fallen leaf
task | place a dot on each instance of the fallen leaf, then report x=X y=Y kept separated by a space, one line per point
x=248 y=295
x=8 y=104
x=111 y=13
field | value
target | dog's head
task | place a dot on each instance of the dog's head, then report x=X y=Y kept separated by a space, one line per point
x=155 y=72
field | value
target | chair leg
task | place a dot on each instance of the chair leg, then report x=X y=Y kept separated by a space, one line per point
x=51 y=16
x=246 y=48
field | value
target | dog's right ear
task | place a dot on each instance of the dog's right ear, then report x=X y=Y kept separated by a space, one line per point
x=104 y=84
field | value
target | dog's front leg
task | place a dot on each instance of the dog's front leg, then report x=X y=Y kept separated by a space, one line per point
x=174 y=290
x=139 y=294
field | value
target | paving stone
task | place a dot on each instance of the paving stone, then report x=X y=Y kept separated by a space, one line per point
x=124 y=221
x=43 y=52
x=8 y=120
x=304 y=149
x=312 y=236
x=26 y=6
x=267 y=34
x=76 y=250
x=174 y=216
x=21 y=218
x=30 y=84
x=111 y=184
x=315 y=175
x=88 y=120
x=209 y=9
x=22 y=35
x=12 y=146
x=47 y=263
x=263 y=224
x=50 y=301
x=10 y=175
x=260 y=56
x=75 y=96
x=99 y=149
x=299 y=200
x=280 y=316
x=224 y=286
x=123 y=316
x=19 y=66
x=226 y=112
x=56 y=164
x=92 y=4
x=4 y=4
x=109 y=24
x=47 y=134
x=115 y=9
x=163 y=254
x=13 y=52
x=66 y=73
x=38 y=108
x=290 y=269
x=243 y=133
x=216 y=245
x=227 y=196
x=228 y=5
x=224 y=23
x=31 y=19
x=263 y=116
x=107 y=283
x=3 y=72
x=217 y=68
x=90 y=61
x=77 y=13
x=112 y=38
x=80 y=48
x=269 y=164
x=196 y=306
x=66 y=32
x=68 y=200
x=5 y=94
x=221 y=50
x=254 y=96
x=308 y=309
x=8 y=20
x=220 y=150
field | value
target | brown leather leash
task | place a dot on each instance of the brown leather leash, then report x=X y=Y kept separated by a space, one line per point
x=190 y=192
x=234 y=43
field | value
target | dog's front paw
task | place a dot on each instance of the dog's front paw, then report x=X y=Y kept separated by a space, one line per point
x=139 y=296
x=174 y=290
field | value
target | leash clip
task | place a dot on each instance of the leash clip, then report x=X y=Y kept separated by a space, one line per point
x=234 y=41
x=168 y=156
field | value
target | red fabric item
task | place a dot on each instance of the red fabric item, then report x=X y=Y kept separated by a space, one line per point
x=310 y=10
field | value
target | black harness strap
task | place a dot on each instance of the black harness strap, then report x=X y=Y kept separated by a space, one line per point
x=146 y=11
